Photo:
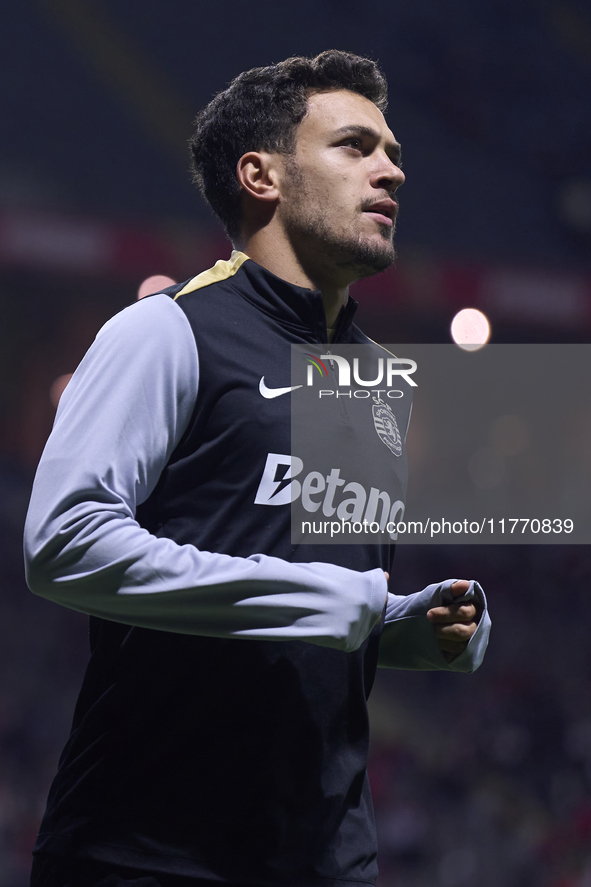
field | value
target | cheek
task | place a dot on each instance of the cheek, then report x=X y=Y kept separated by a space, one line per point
x=332 y=184
x=339 y=197
x=327 y=190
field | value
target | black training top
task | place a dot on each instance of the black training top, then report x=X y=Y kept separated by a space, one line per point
x=218 y=757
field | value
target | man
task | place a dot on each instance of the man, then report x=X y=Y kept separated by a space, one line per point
x=221 y=731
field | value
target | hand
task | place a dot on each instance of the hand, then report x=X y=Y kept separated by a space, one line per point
x=456 y=623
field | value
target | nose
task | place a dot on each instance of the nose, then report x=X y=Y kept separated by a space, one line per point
x=387 y=175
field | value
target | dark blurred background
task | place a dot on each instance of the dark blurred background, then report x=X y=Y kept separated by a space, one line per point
x=479 y=781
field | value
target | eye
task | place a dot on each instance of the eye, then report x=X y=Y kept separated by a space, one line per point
x=353 y=142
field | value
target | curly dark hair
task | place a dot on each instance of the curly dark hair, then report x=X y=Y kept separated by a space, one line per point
x=260 y=111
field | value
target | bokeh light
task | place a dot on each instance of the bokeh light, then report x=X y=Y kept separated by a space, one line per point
x=470 y=329
x=153 y=284
x=57 y=388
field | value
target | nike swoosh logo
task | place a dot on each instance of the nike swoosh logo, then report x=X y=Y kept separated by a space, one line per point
x=274 y=392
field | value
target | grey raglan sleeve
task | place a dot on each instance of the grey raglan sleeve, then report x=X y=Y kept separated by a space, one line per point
x=119 y=420
x=409 y=641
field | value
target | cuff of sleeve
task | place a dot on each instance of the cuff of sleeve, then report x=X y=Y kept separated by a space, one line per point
x=409 y=640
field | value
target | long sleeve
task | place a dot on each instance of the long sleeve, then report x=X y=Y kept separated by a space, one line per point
x=119 y=420
x=408 y=640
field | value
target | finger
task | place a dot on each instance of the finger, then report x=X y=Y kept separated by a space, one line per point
x=456 y=632
x=452 y=648
x=387 y=575
x=452 y=613
x=460 y=587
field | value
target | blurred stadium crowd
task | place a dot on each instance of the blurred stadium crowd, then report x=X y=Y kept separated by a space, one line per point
x=479 y=781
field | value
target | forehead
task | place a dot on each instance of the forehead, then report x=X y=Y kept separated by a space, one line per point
x=333 y=110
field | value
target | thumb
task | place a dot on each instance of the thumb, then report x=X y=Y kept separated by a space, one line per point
x=460 y=587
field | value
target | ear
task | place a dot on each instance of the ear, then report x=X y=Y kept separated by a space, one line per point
x=258 y=175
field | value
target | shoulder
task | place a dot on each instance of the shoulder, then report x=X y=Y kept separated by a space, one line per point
x=156 y=316
x=148 y=346
x=217 y=277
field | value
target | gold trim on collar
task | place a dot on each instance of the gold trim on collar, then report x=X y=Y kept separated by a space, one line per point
x=222 y=269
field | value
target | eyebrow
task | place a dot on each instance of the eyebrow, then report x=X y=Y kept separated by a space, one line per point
x=394 y=151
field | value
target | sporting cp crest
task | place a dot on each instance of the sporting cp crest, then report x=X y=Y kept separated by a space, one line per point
x=385 y=424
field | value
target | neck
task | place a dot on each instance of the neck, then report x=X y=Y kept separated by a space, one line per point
x=275 y=253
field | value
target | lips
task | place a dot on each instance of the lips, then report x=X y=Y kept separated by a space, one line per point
x=380 y=218
x=383 y=211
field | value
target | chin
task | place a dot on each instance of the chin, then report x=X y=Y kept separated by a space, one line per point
x=366 y=259
x=360 y=256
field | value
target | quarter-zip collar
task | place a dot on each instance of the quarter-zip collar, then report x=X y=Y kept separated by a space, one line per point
x=294 y=306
